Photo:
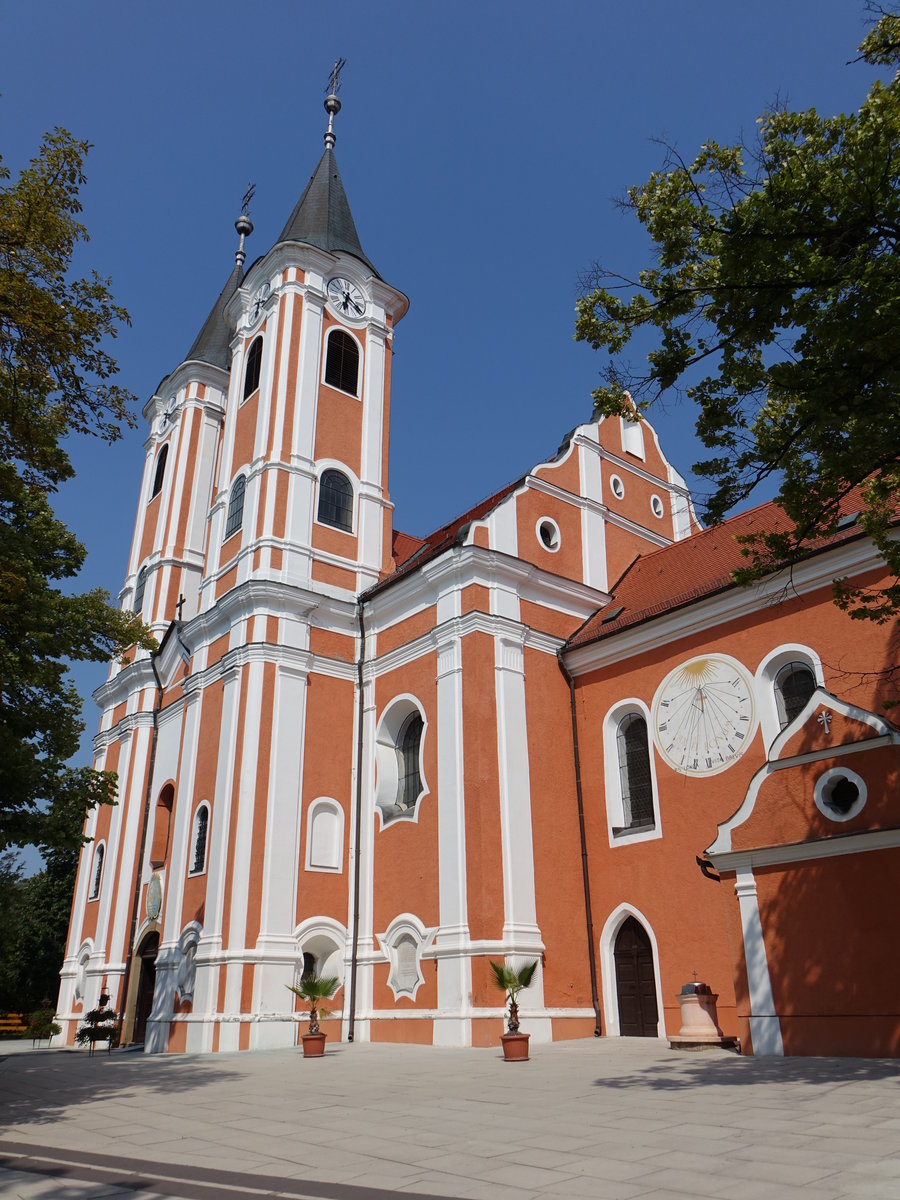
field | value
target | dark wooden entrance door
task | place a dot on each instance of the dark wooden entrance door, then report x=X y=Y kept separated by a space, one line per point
x=146 y=983
x=635 y=982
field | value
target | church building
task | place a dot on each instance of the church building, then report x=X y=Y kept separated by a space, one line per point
x=552 y=730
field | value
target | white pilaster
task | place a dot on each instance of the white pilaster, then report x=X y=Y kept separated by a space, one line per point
x=765 y=1028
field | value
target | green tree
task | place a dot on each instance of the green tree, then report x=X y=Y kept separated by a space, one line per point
x=774 y=304
x=55 y=374
x=34 y=919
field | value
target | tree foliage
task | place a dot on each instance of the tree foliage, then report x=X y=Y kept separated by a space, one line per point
x=34 y=917
x=55 y=374
x=774 y=304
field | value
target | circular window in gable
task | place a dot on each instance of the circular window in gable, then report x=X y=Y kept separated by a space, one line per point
x=656 y=506
x=548 y=534
x=840 y=794
x=617 y=486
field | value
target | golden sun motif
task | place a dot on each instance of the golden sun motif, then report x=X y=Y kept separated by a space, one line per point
x=704 y=715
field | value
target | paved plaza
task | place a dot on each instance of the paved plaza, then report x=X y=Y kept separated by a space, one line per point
x=611 y=1119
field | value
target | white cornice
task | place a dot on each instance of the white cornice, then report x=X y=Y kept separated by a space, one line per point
x=192 y=370
x=134 y=677
x=122 y=729
x=703 y=614
x=628 y=464
x=586 y=502
x=795 y=852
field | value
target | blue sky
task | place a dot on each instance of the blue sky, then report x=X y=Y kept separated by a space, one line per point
x=482 y=146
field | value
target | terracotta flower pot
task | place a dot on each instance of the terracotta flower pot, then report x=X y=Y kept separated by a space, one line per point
x=313 y=1044
x=515 y=1046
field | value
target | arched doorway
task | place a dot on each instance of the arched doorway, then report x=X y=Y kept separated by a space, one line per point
x=146 y=983
x=635 y=982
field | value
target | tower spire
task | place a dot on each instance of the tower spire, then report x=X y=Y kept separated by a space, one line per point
x=332 y=104
x=243 y=224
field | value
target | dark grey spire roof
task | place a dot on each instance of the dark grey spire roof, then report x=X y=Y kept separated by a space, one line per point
x=322 y=216
x=212 y=343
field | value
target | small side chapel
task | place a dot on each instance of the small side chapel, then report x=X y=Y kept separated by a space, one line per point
x=553 y=729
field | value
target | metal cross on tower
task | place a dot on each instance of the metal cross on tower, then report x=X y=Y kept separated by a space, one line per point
x=332 y=104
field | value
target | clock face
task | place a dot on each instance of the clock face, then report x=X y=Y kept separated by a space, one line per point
x=704 y=715
x=347 y=298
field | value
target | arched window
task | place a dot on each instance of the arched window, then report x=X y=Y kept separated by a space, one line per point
x=634 y=771
x=336 y=500
x=162 y=822
x=139 y=585
x=409 y=780
x=342 y=362
x=254 y=362
x=198 y=841
x=160 y=472
x=324 y=835
x=98 y=872
x=794 y=684
x=235 y=517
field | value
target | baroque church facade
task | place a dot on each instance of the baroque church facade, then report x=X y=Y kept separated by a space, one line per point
x=553 y=729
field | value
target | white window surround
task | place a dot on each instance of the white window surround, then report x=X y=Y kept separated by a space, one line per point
x=769 y=720
x=657 y=507
x=826 y=782
x=614 y=923
x=617 y=487
x=325 y=939
x=632 y=437
x=387 y=782
x=405 y=928
x=97 y=863
x=358 y=394
x=615 y=805
x=193 y=846
x=548 y=534
x=325 y=836
x=227 y=505
x=332 y=464
x=187 y=965
x=80 y=984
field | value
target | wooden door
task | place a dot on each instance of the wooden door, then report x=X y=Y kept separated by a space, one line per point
x=635 y=982
x=146 y=984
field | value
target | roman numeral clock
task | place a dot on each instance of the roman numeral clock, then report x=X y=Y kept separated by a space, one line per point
x=704 y=715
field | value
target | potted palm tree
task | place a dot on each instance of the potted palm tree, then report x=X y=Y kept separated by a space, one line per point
x=513 y=980
x=314 y=989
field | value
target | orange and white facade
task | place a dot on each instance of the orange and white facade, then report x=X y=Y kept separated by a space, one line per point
x=395 y=758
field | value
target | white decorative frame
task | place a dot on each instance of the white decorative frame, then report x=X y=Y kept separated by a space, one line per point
x=617 y=487
x=405 y=925
x=258 y=335
x=193 y=843
x=324 y=938
x=95 y=884
x=832 y=776
x=615 y=804
x=187 y=963
x=632 y=438
x=614 y=923
x=555 y=534
x=82 y=959
x=656 y=502
x=389 y=726
x=324 y=804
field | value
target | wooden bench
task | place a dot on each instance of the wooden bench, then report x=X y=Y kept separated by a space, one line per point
x=13 y=1025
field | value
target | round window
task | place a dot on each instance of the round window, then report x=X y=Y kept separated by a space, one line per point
x=548 y=534
x=617 y=486
x=656 y=506
x=840 y=794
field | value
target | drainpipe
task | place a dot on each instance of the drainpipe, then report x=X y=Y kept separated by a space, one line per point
x=136 y=899
x=592 y=960
x=358 y=821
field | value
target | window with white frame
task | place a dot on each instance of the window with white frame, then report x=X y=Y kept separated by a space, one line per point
x=632 y=799
x=187 y=963
x=786 y=679
x=199 y=839
x=159 y=474
x=97 y=871
x=253 y=368
x=235 y=518
x=794 y=684
x=335 y=506
x=398 y=757
x=324 y=835
x=140 y=585
x=342 y=362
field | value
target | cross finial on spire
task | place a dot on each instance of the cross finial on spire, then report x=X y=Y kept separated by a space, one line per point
x=243 y=224
x=332 y=104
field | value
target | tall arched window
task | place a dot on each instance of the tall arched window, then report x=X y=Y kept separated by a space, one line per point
x=794 y=684
x=235 y=517
x=201 y=830
x=409 y=780
x=139 y=586
x=342 y=362
x=336 y=500
x=254 y=362
x=98 y=872
x=160 y=472
x=634 y=771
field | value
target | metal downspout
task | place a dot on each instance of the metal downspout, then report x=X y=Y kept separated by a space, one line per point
x=136 y=899
x=592 y=958
x=358 y=819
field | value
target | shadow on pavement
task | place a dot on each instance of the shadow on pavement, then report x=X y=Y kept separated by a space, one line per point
x=698 y=1071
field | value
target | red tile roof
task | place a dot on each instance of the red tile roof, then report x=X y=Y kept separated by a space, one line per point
x=692 y=569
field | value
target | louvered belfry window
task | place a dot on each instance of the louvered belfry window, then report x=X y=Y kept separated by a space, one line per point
x=342 y=362
x=634 y=771
x=336 y=500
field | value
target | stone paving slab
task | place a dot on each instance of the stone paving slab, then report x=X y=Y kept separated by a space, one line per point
x=616 y=1119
